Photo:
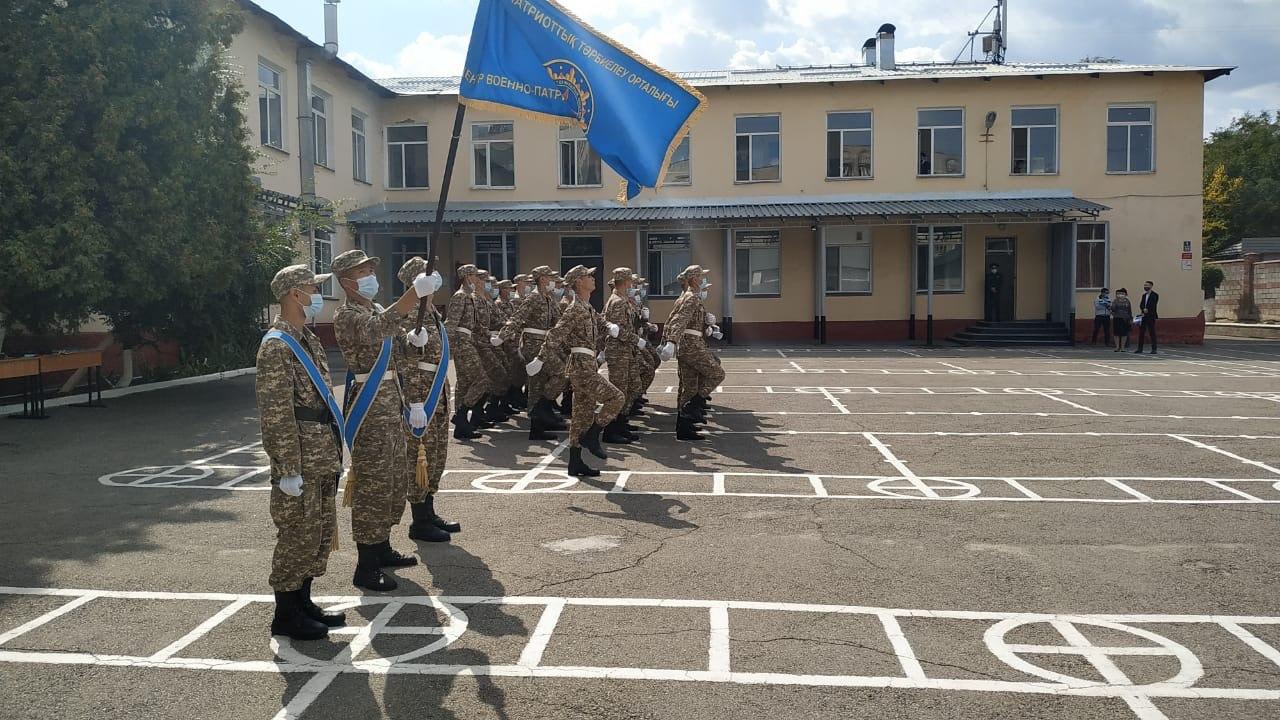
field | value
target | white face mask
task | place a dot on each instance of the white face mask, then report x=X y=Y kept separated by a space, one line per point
x=488 y=287
x=367 y=286
x=557 y=293
x=702 y=295
x=312 y=310
x=493 y=293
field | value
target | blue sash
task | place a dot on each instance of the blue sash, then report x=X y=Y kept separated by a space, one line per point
x=364 y=401
x=437 y=384
x=313 y=372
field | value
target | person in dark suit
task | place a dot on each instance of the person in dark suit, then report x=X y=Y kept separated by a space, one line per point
x=995 y=287
x=1148 y=306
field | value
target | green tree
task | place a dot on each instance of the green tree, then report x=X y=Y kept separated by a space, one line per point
x=1248 y=149
x=1221 y=197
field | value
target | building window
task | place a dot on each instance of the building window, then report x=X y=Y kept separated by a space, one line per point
x=270 y=107
x=757 y=262
x=497 y=254
x=1091 y=256
x=321 y=257
x=679 y=171
x=320 y=121
x=407 y=156
x=948 y=258
x=759 y=148
x=848 y=260
x=668 y=254
x=1130 y=139
x=848 y=145
x=493 y=151
x=941 y=134
x=1035 y=141
x=359 y=149
x=579 y=163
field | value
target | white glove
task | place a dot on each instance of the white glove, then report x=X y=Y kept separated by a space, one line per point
x=534 y=367
x=600 y=358
x=711 y=319
x=642 y=343
x=716 y=334
x=425 y=284
x=417 y=415
x=613 y=329
x=708 y=330
x=417 y=338
x=667 y=352
x=494 y=340
x=291 y=485
x=645 y=313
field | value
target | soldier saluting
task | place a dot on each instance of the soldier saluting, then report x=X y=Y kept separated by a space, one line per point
x=301 y=436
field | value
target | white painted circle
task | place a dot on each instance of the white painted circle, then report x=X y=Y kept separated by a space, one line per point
x=171 y=475
x=454 y=626
x=519 y=481
x=945 y=489
x=1189 y=669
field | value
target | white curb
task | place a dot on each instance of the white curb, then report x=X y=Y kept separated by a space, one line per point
x=145 y=387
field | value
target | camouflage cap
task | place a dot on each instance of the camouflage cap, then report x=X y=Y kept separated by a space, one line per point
x=467 y=270
x=350 y=260
x=412 y=268
x=294 y=276
x=505 y=284
x=542 y=271
x=623 y=274
x=577 y=272
x=693 y=270
x=523 y=277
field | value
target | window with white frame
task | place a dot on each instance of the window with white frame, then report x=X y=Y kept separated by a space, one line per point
x=321 y=257
x=679 y=170
x=668 y=255
x=320 y=103
x=1091 y=256
x=1131 y=139
x=947 y=261
x=270 y=106
x=1035 y=141
x=757 y=262
x=941 y=142
x=359 y=148
x=407 y=156
x=579 y=163
x=848 y=145
x=848 y=260
x=497 y=254
x=758 y=143
x=493 y=152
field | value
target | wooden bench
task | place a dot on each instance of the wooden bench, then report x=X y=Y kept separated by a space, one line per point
x=27 y=368
x=90 y=360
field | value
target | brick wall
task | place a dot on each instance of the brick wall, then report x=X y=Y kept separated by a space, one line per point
x=1250 y=290
x=1266 y=290
x=1227 y=300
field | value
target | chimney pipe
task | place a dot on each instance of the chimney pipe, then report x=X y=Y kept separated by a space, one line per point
x=331 y=27
x=884 y=47
x=869 y=52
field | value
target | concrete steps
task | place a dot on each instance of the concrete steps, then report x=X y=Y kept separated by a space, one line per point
x=1015 y=333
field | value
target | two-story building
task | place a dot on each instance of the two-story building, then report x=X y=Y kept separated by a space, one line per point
x=829 y=203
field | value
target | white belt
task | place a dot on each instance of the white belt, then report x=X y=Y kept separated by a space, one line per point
x=535 y=331
x=584 y=351
x=464 y=331
x=698 y=333
x=428 y=367
x=364 y=377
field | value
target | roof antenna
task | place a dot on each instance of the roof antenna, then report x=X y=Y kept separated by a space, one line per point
x=995 y=44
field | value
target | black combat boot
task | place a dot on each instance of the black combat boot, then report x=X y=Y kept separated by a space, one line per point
x=390 y=557
x=448 y=526
x=291 y=621
x=616 y=434
x=566 y=403
x=516 y=398
x=538 y=430
x=423 y=527
x=369 y=573
x=637 y=409
x=591 y=441
x=495 y=413
x=685 y=429
x=462 y=428
x=315 y=612
x=478 y=419
x=577 y=467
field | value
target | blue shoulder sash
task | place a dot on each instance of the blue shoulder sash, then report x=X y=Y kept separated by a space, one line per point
x=313 y=372
x=437 y=384
x=359 y=409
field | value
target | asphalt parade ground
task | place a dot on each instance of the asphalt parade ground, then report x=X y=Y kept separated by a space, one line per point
x=884 y=532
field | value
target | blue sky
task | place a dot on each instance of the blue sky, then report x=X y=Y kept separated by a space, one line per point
x=429 y=37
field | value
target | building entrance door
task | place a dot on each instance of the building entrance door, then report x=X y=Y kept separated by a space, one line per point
x=589 y=251
x=998 y=299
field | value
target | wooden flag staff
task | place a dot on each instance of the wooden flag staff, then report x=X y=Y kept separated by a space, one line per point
x=444 y=198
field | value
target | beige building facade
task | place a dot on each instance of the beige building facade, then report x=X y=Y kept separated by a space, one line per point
x=830 y=204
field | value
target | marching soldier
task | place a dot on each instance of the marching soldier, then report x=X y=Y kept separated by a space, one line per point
x=581 y=331
x=620 y=351
x=427 y=433
x=685 y=336
x=527 y=330
x=376 y=485
x=648 y=357
x=301 y=437
x=462 y=324
x=490 y=359
x=507 y=303
x=564 y=295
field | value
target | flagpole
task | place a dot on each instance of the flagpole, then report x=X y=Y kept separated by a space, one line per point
x=444 y=198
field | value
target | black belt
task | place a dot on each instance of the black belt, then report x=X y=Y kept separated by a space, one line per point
x=306 y=414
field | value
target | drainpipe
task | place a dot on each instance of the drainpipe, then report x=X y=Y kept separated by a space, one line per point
x=306 y=128
x=726 y=291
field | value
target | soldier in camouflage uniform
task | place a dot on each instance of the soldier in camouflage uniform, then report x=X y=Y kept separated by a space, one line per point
x=527 y=330
x=378 y=480
x=685 y=336
x=301 y=439
x=423 y=353
x=620 y=352
x=506 y=305
x=648 y=359
x=464 y=331
x=581 y=332
x=491 y=359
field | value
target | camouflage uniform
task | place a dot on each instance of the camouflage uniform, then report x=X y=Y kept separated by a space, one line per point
x=620 y=352
x=311 y=448
x=699 y=370
x=580 y=332
x=417 y=375
x=509 y=351
x=493 y=362
x=537 y=313
x=464 y=334
x=647 y=360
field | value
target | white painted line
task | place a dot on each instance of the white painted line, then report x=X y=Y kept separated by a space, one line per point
x=900 y=466
x=1205 y=446
x=953 y=366
x=200 y=630
x=1267 y=651
x=797 y=367
x=838 y=405
x=541 y=467
x=620 y=485
x=901 y=648
x=1223 y=486
x=1125 y=488
x=819 y=490
x=717 y=483
x=46 y=618
x=1022 y=489
x=531 y=656
x=718 y=647
x=1065 y=401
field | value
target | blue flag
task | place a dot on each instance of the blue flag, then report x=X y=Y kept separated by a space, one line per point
x=536 y=57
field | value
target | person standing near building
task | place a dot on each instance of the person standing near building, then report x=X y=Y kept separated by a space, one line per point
x=462 y=325
x=527 y=330
x=1121 y=319
x=1102 y=316
x=1149 y=309
x=301 y=438
x=376 y=484
x=423 y=381
x=620 y=352
x=685 y=339
x=995 y=292
x=581 y=331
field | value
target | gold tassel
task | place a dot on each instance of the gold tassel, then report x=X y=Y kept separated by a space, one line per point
x=349 y=490
x=422 y=466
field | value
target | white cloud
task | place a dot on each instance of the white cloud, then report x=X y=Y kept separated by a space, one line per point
x=427 y=55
